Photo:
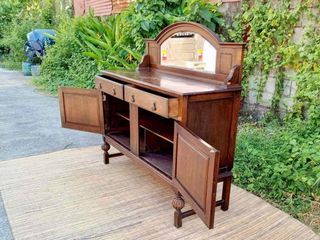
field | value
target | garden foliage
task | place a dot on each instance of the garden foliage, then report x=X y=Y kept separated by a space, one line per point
x=116 y=42
x=271 y=48
x=280 y=160
x=24 y=17
x=145 y=19
x=104 y=41
x=64 y=63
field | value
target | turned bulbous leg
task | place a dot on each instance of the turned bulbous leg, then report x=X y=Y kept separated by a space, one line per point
x=178 y=204
x=105 y=147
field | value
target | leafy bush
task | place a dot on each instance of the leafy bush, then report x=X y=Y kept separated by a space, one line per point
x=270 y=28
x=107 y=44
x=64 y=63
x=8 y=11
x=33 y=15
x=145 y=19
x=280 y=163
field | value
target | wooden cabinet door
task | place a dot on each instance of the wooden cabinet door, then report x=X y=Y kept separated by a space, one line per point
x=81 y=109
x=195 y=172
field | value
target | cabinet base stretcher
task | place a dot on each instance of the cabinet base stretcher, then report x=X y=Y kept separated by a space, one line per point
x=106 y=156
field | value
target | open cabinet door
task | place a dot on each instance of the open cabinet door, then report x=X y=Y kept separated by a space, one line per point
x=195 y=173
x=81 y=109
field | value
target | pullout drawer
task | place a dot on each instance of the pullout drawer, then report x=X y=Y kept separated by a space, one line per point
x=110 y=87
x=166 y=107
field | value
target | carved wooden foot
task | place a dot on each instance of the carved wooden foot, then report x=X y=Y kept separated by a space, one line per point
x=105 y=147
x=178 y=204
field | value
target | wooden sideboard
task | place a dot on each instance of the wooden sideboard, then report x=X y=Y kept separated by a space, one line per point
x=179 y=123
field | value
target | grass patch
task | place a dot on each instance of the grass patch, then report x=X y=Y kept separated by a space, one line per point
x=280 y=162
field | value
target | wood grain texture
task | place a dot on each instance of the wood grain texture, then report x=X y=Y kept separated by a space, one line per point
x=171 y=84
x=134 y=129
x=166 y=107
x=71 y=194
x=195 y=173
x=81 y=109
x=205 y=103
x=110 y=87
x=211 y=121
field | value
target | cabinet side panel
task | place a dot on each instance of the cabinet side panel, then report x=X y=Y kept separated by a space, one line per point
x=211 y=121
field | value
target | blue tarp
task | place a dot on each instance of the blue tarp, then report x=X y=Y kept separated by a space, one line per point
x=38 y=39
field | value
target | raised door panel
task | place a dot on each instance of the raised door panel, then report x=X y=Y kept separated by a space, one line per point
x=195 y=173
x=81 y=109
x=228 y=56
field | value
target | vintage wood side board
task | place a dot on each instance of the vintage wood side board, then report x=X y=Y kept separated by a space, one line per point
x=178 y=122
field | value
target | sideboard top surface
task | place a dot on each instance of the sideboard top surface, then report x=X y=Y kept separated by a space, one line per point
x=168 y=83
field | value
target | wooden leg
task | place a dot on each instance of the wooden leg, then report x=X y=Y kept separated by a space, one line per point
x=178 y=204
x=105 y=147
x=226 y=193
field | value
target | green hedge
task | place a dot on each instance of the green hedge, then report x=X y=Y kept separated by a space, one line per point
x=64 y=63
x=280 y=162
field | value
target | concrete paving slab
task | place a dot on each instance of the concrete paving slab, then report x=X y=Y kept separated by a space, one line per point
x=30 y=121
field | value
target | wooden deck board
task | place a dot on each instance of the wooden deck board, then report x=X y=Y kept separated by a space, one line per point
x=72 y=195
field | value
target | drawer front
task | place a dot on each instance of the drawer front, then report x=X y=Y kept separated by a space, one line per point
x=166 y=107
x=110 y=87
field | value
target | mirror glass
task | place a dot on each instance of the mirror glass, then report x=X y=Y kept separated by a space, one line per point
x=189 y=50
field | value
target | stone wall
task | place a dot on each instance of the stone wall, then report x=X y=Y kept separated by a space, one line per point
x=229 y=10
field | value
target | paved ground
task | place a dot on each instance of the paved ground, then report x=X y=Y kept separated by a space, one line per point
x=30 y=125
x=5 y=228
x=30 y=121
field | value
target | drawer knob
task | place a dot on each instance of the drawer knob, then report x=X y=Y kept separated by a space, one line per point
x=132 y=98
x=154 y=107
x=114 y=91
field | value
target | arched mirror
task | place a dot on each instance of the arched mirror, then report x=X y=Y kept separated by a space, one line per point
x=189 y=50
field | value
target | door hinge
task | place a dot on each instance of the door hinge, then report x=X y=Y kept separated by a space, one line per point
x=104 y=97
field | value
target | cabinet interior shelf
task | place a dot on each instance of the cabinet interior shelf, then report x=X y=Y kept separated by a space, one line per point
x=162 y=129
x=122 y=137
x=162 y=162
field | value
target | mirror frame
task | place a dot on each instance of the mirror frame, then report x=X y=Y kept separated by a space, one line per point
x=228 y=54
